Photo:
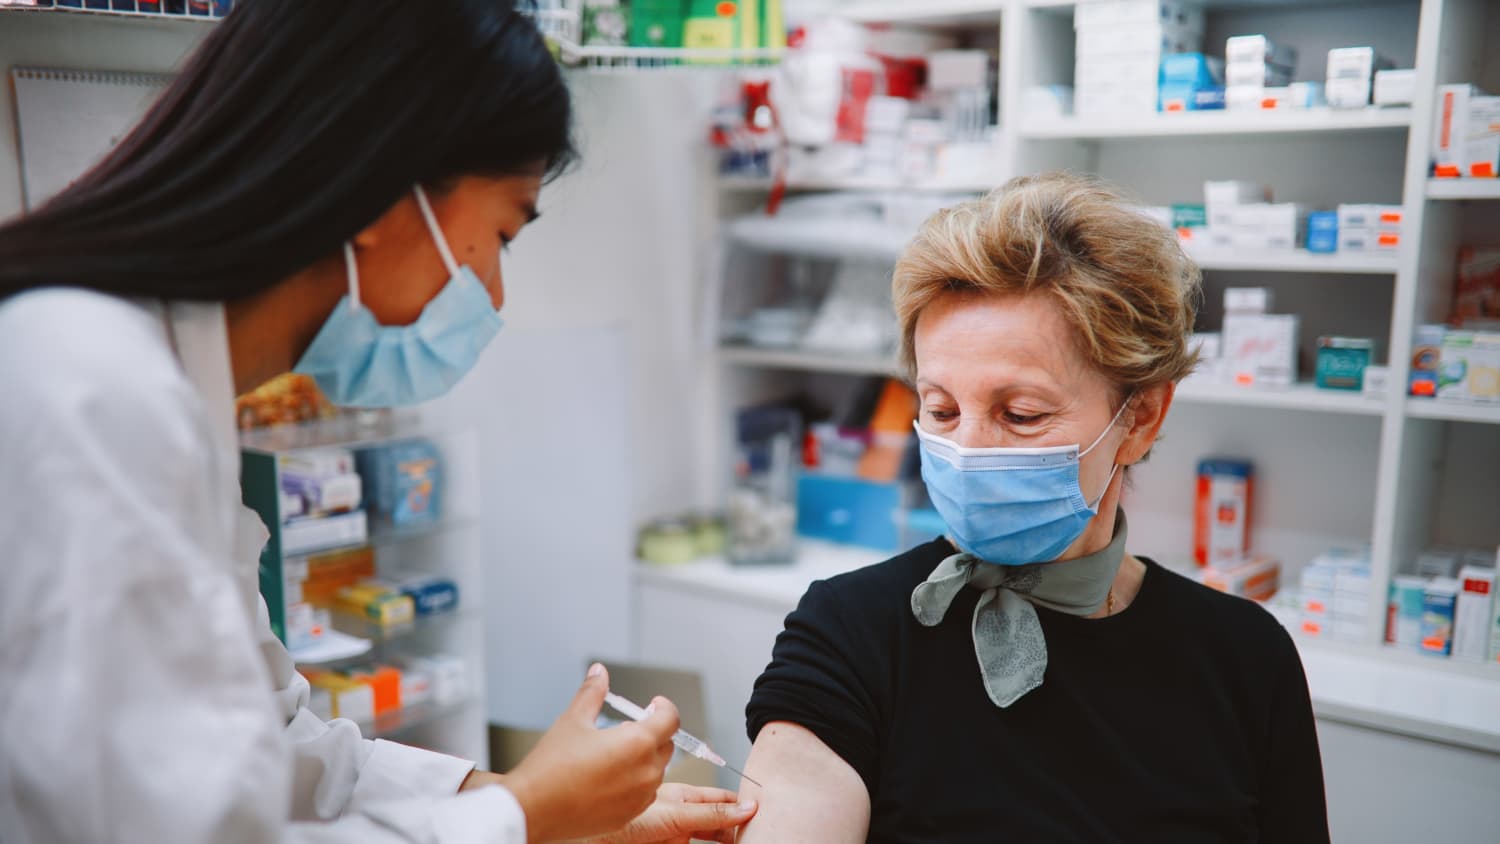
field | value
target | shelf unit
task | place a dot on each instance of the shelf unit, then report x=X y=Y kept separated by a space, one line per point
x=1391 y=445
x=1463 y=188
x=51 y=8
x=446 y=546
x=1202 y=124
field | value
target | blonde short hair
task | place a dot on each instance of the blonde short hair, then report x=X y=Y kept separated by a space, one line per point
x=1122 y=280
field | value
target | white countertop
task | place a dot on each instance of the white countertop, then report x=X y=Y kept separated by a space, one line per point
x=1377 y=687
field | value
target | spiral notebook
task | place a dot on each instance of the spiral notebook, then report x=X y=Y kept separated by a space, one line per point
x=68 y=119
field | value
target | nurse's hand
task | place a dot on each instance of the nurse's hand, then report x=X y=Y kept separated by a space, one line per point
x=581 y=781
x=684 y=813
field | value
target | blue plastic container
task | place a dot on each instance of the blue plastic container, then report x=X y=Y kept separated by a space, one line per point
x=851 y=511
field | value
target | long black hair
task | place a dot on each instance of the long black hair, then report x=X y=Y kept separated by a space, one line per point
x=294 y=125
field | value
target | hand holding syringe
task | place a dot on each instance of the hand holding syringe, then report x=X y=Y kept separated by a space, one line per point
x=685 y=742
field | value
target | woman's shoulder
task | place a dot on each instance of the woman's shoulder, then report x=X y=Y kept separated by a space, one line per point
x=881 y=589
x=1225 y=620
x=68 y=354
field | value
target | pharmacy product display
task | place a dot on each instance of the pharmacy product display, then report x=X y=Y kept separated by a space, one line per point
x=1335 y=596
x=372 y=693
x=1136 y=57
x=1123 y=51
x=1448 y=607
x=848 y=102
x=1460 y=360
x=1238 y=217
x=318 y=572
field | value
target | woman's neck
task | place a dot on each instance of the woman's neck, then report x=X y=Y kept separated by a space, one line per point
x=270 y=330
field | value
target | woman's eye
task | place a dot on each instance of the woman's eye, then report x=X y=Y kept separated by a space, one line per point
x=1018 y=419
x=942 y=415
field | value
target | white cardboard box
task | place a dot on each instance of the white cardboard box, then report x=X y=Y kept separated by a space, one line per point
x=1261 y=348
x=1395 y=87
x=1471 y=616
x=1450 y=130
x=1482 y=144
x=1092 y=13
x=1258 y=48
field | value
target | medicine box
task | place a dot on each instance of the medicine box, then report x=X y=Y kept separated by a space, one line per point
x=1194 y=69
x=1157 y=39
x=1247 y=300
x=1238 y=73
x=1124 y=73
x=1234 y=193
x=1438 y=601
x=1482 y=148
x=1256 y=579
x=1261 y=348
x=1404 y=612
x=951 y=70
x=1395 y=87
x=1112 y=103
x=1222 y=513
x=1258 y=48
x=1323 y=231
x=1377 y=380
x=1437 y=562
x=1472 y=613
x=1189 y=220
x=1450 y=130
x=1107 y=13
x=1355 y=64
x=1342 y=361
x=403 y=481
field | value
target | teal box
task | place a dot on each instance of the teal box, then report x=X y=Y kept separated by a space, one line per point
x=1342 y=362
x=851 y=511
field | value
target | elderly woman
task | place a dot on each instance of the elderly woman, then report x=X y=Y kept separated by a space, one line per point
x=1025 y=678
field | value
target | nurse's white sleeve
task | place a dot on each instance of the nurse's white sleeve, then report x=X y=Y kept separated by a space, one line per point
x=337 y=770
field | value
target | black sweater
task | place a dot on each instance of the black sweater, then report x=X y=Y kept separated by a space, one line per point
x=1184 y=717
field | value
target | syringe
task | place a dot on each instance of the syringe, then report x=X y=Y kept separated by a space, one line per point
x=685 y=742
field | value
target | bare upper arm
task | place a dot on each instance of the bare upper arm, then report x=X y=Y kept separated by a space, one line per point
x=808 y=793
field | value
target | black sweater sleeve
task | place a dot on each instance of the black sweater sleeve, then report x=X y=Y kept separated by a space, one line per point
x=819 y=678
x=1293 y=806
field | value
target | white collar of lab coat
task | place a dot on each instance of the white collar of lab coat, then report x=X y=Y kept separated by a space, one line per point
x=200 y=337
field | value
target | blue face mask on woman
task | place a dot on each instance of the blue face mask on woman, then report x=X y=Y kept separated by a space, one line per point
x=1010 y=506
x=358 y=362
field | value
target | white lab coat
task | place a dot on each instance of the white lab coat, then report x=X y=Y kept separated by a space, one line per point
x=143 y=697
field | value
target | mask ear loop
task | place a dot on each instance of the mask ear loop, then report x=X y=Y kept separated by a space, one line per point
x=351 y=269
x=435 y=230
x=1115 y=467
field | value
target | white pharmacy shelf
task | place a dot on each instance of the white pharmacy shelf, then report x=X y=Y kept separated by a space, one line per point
x=1297 y=261
x=1430 y=698
x=935 y=13
x=972 y=184
x=829 y=237
x=1463 y=188
x=1202 y=123
x=1453 y=411
x=808 y=360
x=1304 y=396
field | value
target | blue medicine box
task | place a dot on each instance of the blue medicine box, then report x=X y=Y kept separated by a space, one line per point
x=1191 y=82
x=403 y=481
x=1323 y=231
x=852 y=511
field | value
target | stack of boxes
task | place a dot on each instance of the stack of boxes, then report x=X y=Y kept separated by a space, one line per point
x=1259 y=348
x=1191 y=82
x=1369 y=228
x=1335 y=596
x=1254 y=71
x=1221 y=202
x=1120 y=47
x=1448 y=608
x=1351 y=76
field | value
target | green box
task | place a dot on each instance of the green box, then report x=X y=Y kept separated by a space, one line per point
x=1189 y=216
x=656 y=23
x=1342 y=362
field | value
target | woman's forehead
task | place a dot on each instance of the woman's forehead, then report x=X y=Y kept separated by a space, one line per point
x=968 y=337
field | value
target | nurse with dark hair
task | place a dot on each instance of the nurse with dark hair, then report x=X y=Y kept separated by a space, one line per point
x=327 y=188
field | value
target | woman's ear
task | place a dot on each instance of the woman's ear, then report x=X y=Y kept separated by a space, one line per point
x=1148 y=410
